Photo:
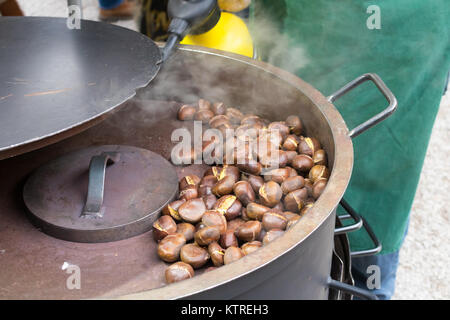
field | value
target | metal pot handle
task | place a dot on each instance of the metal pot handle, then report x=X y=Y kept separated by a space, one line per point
x=378 y=117
x=360 y=293
x=352 y=214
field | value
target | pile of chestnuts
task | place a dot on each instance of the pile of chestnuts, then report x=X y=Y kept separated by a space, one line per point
x=239 y=206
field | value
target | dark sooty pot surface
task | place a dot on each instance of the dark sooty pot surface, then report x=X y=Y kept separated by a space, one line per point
x=294 y=266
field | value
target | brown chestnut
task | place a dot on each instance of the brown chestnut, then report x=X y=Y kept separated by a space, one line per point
x=178 y=271
x=204 y=104
x=232 y=254
x=306 y=208
x=192 y=210
x=291 y=142
x=272 y=235
x=234 y=115
x=290 y=156
x=280 y=126
x=244 y=192
x=189 y=181
x=270 y=193
x=209 y=200
x=172 y=209
x=279 y=207
x=320 y=157
x=274 y=220
x=194 y=255
x=295 y=125
x=169 y=247
x=292 y=172
x=218 y=120
x=308 y=146
x=251 y=167
x=216 y=253
x=204 y=115
x=256 y=182
x=187 y=230
x=277 y=175
x=235 y=223
x=256 y=211
x=318 y=187
x=229 y=206
x=186 y=112
x=228 y=239
x=188 y=193
x=163 y=227
x=224 y=186
x=292 y=183
x=206 y=235
x=294 y=200
x=292 y=222
x=290 y=215
x=302 y=163
x=317 y=172
x=249 y=231
x=219 y=108
x=250 y=247
x=214 y=218
x=309 y=186
x=275 y=159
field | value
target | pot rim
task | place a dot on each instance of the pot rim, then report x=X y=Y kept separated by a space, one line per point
x=323 y=207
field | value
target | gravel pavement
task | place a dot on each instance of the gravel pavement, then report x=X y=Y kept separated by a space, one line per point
x=425 y=256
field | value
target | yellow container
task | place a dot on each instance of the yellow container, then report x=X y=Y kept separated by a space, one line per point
x=229 y=34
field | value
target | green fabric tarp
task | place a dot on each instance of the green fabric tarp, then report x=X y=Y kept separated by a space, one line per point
x=327 y=43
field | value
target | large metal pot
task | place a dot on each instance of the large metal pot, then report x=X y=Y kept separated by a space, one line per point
x=295 y=266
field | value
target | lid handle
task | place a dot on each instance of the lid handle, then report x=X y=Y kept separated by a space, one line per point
x=93 y=207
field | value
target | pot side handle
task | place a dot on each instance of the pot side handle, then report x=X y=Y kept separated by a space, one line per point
x=387 y=93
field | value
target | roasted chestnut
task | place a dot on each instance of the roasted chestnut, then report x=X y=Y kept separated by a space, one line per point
x=279 y=126
x=308 y=146
x=290 y=156
x=250 y=247
x=256 y=182
x=172 y=209
x=229 y=206
x=292 y=183
x=192 y=210
x=277 y=175
x=317 y=172
x=302 y=163
x=272 y=235
x=290 y=215
x=320 y=157
x=228 y=239
x=169 y=247
x=204 y=115
x=292 y=171
x=235 y=223
x=251 y=167
x=186 y=112
x=275 y=159
x=279 y=207
x=216 y=253
x=194 y=255
x=256 y=211
x=292 y=221
x=224 y=186
x=291 y=142
x=209 y=200
x=189 y=181
x=214 y=218
x=188 y=193
x=306 y=208
x=187 y=230
x=219 y=108
x=244 y=192
x=309 y=186
x=295 y=125
x=163 y=227
x=234 y=115
x=206 y=235
x=232 y=254
x=294 y=200
x=218 y=120
x=249 y=231
x=318 y=187
x=204 y=104
x=270 y=194
x=274 y=220
x=178 y=271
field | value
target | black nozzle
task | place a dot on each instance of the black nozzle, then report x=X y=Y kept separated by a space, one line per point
x=189 y=16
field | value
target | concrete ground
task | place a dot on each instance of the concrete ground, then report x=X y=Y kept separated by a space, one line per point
x=425 y=256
